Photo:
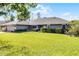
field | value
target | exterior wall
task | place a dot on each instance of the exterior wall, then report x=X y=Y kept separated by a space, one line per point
x=34 y=27
x=8 y=28
x=48 y=26
x=18 y=27
x=26 y=27
x=55 y=26
x=11 y=28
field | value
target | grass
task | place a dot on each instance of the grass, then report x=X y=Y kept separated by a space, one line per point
x=38 y=44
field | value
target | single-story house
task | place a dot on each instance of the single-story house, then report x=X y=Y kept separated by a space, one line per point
x=50 y=22
x=14 y=26
x=3 y=22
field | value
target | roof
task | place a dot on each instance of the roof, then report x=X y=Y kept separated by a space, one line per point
x=2 y=22
x=50 y=20
x=41 y=21
x=16 y=23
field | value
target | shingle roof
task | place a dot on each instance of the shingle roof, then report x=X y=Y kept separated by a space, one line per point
x=42 y=21
x=16 y=23
x=50 y=20
x=2 y=22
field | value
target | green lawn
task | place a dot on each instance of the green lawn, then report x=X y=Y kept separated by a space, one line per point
x=38 y=44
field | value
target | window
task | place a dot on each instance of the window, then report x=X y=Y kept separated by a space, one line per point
x=34 y=26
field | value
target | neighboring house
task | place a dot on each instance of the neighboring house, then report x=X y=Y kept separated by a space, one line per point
x=51 y=22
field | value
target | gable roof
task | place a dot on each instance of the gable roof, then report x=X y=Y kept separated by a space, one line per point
x=2 y=22
x=50 y=20
x=42 y=21
x=16 y=23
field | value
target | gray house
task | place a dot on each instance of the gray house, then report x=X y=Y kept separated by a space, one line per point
x=3 y=22
x=14 y=26
x=51 y=22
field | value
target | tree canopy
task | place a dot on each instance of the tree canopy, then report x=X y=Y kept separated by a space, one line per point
x=74 y=22
x=22 y=9
x=73 y=28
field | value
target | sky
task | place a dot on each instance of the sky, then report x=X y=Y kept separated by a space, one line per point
x=67 y=11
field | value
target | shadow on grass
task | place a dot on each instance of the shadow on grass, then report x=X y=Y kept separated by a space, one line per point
x=6 y=49
x=20 y=31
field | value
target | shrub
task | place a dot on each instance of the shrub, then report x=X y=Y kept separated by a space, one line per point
x=43 y=30
x=49 y=30
x=73 y=30
x=58 y=30
x=53 y=30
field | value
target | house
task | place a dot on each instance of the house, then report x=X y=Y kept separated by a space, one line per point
x=50 y=22
x=15 y=26
x=3 y=22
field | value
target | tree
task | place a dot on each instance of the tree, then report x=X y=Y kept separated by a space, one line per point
x=22 y=9
x=73 y=28
x=12 y=18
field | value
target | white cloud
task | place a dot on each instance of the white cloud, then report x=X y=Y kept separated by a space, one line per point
x=43 y=10
x=69 y=16
x=66 y=14
x=40 y=6
x=75 y=17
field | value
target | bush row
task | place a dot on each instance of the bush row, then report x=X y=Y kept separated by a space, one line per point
x=73 y=31
x=49 y=30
